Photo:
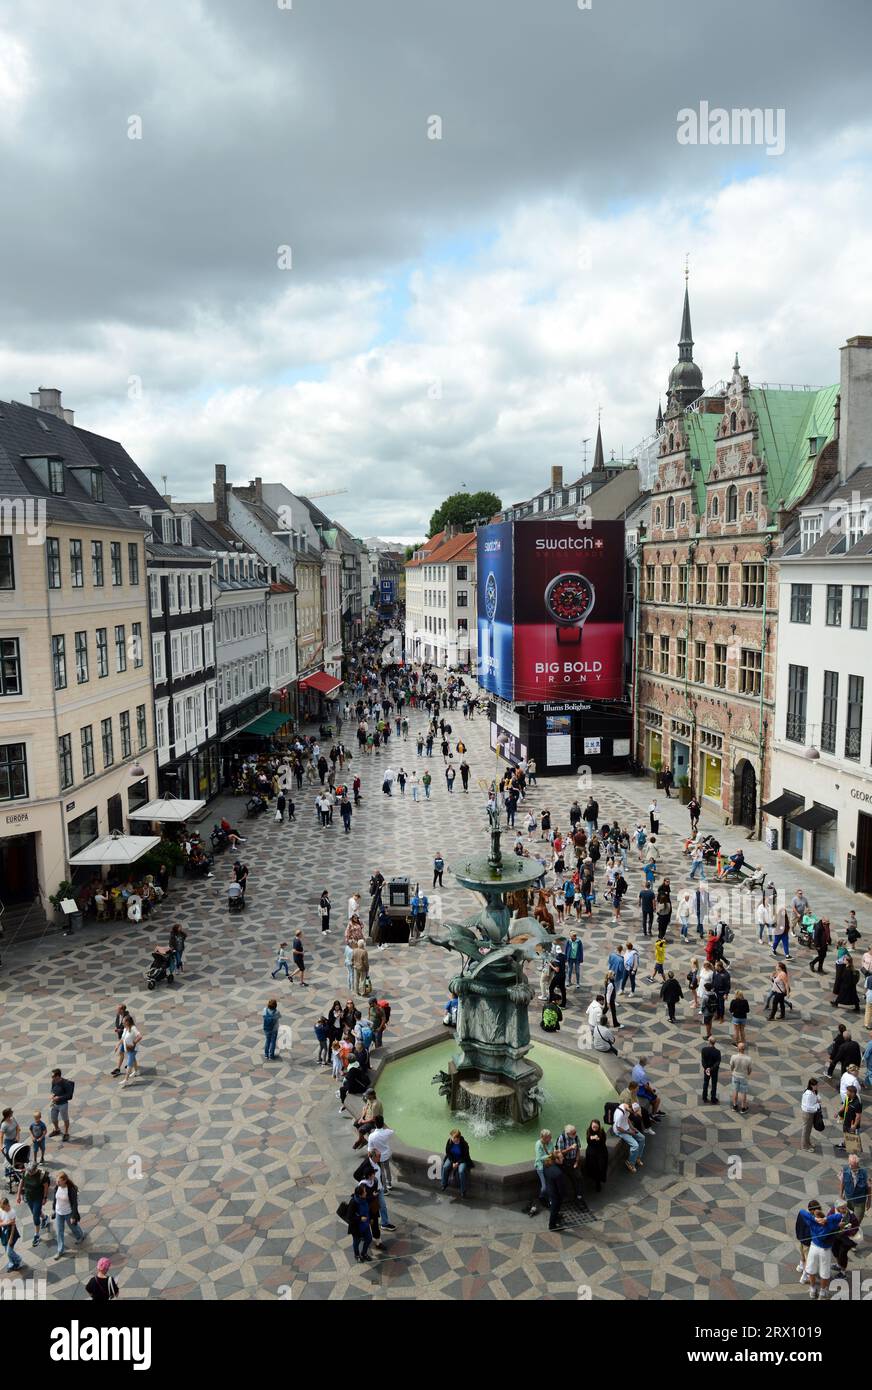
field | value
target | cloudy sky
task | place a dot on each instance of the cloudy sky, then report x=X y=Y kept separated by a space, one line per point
x=288 y=275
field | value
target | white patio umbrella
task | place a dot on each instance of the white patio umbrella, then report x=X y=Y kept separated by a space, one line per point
x=167 y=808
x=115 y=849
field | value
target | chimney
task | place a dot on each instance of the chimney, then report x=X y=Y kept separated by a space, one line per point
x=255 y=490
x=556 y=477
x=450 y=531
x=855 y=406
x=48 y=398
x=219 y=493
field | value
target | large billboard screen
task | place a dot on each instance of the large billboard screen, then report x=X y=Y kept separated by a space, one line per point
x=494 y=601
x=568 y=611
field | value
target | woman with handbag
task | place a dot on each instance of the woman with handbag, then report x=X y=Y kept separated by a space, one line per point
x=356 y=1212
x=9 y=1236
x=812 y=1113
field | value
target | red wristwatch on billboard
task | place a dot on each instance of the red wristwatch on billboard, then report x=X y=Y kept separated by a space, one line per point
x=569 y=600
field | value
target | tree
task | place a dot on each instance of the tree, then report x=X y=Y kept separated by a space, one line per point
x=410 y=549
x=462 y=508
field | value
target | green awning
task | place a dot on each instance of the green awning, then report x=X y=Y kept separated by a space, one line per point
x=268 y=723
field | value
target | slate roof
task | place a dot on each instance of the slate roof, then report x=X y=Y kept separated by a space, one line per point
x=26 y=432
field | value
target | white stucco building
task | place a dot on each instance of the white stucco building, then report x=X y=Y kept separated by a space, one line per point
x=440 y=600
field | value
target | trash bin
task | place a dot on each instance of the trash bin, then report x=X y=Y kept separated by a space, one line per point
x=772 y=837
x=399 y=892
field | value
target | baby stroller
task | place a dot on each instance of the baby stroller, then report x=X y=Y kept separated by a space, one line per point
x=235 y=901
x=19 y=1158
x=255 y=806
x=161 y=968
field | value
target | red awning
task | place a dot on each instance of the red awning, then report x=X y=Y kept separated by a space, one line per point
x=320 y=681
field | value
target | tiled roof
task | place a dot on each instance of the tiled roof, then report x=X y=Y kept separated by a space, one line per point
x=453 y=549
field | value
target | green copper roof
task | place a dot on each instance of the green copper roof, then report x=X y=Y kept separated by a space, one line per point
x=786 y=420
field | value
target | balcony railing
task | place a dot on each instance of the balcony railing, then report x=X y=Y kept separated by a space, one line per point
x=795 y=730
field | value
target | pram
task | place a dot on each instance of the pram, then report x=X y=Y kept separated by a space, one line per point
x=255 y=806
x=17 y=1161
x=162 y=966
x=235 y=901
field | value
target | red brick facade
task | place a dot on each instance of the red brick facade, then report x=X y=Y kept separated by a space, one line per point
x=708 y=612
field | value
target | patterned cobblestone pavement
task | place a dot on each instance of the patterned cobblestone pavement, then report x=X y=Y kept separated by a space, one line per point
x=216 y=1176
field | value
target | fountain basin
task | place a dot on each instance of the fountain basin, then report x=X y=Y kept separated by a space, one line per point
x=575 y=1086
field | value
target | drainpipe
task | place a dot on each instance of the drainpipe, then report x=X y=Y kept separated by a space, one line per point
x=763 y=649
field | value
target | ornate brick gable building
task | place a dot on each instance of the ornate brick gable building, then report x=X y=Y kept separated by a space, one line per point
x=732 y=464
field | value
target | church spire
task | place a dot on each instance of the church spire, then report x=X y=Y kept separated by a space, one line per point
x=658 y=425
x=685 y=379
x=599 y=462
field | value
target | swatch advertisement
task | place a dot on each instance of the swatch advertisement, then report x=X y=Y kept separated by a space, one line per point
x=569 y=610
x=494 y=604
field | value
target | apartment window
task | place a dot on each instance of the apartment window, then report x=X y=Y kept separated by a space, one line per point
x=7 y=563
x=800 y=603
x=462 y=625
x=107 y=742
x=681 y=657
x=65 y=760
x=682 y=583
x=752 y=586
x=115 y=562
x=124 y=732
x=810 y=531
x=120 y=649
x=141 y=726
x=59 y=662
x=860 y=605
x=136 y=638
x=132 y=562
x=699 y=662
x=81 y=657
x=830 y=711
x=97 y=564
x=720 y=664
x=648 y=651
x=750 y=671
x=462 y=572
x=13 y=771
x=462 y=598
x=649 y=583
x=834 y=605
x=53 y=562
x=732 y=503
x=854 y=724
x=666 y=583
x=701 y=583
x=797 y=695
x=160 y=731
x=175 y=659
x=722 y=586
x=102 y=652
x=87 y=751
x=856 y=527
x=664 y=654
x=154 y=593
x=77 y=577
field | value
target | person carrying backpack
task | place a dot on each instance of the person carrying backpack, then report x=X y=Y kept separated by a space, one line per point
x=552 y=1017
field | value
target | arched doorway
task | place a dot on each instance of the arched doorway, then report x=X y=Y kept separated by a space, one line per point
x=745 y=796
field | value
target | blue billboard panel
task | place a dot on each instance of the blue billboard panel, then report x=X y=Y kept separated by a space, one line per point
x=495 y=608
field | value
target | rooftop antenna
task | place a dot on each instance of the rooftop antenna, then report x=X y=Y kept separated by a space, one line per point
x=164 y=481
x=686 y=266
x=584 y=444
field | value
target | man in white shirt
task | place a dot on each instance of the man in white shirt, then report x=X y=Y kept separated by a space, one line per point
x=353 y=905
x=623 y=1128
x=381 y=1139
x=595 y=1010
x=850 y=1081
x=811 y=1104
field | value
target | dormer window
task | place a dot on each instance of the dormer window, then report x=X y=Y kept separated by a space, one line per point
x=810 y=531
x=856 y=527
x=91 y=480
x=50 y=473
